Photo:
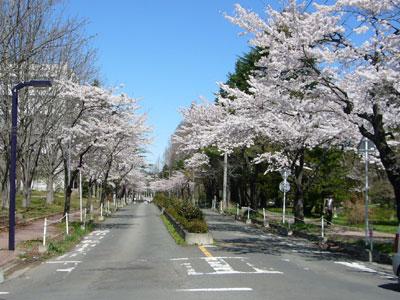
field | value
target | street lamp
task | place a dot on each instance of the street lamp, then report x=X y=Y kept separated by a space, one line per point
x=13 y=152
x=365 y=147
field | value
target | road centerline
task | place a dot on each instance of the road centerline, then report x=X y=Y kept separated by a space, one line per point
x=205 y=251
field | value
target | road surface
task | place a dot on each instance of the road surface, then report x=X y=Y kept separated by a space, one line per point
x=132 y=256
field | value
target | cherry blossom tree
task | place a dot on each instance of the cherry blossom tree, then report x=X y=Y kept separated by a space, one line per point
x=36 y=41
x=344 y=57
x=99 y=123
x=177 y=183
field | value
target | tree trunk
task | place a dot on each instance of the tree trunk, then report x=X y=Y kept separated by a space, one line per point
x=26 y=201
x=89 y=199
x=5 y=200
x=68 y=188
x=299 y=194
x=389 y=159
x=26 y=189
x=104 y=183
x=50 y=189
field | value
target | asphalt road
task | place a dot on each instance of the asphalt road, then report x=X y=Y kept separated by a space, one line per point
x=132 y=256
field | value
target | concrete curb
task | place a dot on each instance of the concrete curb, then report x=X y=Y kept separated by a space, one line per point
x=189 y=237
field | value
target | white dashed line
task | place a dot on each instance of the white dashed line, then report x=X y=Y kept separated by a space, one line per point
x=4 y=293
x=64 y=262
x=69 y=270
x=61 y=257
x=242 y=289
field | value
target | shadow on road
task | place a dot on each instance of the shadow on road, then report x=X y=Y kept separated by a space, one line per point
x=115 y=226
x=391 y=286
x=238 y=238
x=125 y=216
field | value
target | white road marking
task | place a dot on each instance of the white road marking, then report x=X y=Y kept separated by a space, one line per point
x=190 y=270
x=64 y=262
x=355 y=265
x=363 y=268
x=69 y=270
x=317 y=252
x=4 y=293
x=87 y=241
x=221 y=266
x=99 y=232
x=224 y=257
x=261 y=271
x=242 y=289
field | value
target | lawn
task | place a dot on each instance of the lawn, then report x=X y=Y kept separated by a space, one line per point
x=39 y=207
x=378 y=224
x=381 y=219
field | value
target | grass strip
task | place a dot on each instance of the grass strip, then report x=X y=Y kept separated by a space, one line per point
x=57 y=246
x=178 y=239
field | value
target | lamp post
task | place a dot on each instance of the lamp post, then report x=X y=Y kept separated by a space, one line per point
x=365 y=147
x=13 y=153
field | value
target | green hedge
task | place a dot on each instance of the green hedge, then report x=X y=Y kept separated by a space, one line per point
x=188 y=215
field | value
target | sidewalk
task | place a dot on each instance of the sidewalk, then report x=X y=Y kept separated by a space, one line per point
x=236 y=236
x=336 y=230
x=26 y=232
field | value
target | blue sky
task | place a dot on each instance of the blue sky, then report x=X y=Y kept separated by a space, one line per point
x=167 y=53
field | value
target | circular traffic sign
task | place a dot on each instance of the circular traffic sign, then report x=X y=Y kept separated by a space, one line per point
x=284 y=186
x=285 y=173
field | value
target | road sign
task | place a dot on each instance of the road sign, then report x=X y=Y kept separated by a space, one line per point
x=366 y=145
x=285 y=173
x=284 y=186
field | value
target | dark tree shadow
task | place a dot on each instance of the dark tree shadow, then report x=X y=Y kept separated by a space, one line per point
x=390 y=286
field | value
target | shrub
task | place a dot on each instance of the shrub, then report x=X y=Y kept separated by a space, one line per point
x=189 y=211
x=354 y=210
x=184 y=212
x=197 y=226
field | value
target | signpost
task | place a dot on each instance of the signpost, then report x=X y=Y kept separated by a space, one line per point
x=284 y=187
x=365 y=147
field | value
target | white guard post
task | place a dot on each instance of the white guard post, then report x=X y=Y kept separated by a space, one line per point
x=66 y=224
x=44 y=232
